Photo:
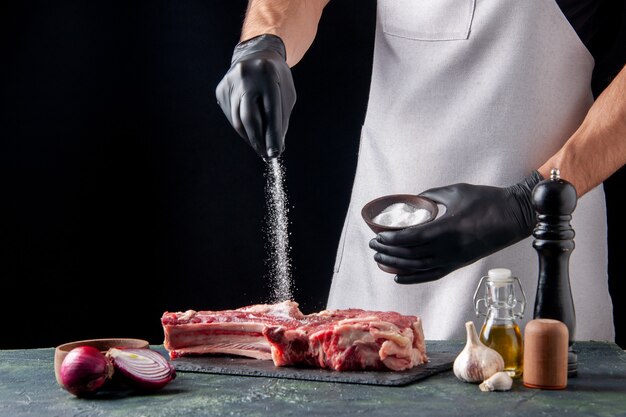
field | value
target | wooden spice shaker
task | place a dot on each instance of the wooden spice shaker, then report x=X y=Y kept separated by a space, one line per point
x=545 y=354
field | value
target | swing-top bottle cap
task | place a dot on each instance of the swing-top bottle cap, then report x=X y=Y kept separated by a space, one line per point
x=499 y=274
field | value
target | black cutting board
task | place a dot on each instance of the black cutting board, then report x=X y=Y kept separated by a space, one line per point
x=439 y=362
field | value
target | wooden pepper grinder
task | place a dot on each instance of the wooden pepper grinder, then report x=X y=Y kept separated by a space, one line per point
x=554 y=200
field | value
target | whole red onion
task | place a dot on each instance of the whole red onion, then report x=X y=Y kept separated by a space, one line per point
x=84 y=370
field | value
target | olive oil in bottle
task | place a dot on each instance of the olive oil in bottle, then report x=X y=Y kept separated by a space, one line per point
x=506 y=339
x=502 y=305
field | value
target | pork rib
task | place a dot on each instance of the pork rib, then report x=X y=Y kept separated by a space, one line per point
x=236 y=332
x=342 y=340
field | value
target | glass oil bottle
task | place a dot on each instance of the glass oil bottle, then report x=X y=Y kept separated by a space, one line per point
x=500 y=331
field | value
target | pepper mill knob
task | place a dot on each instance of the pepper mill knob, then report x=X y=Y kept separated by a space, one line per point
x=555 y=196
x=554 y=200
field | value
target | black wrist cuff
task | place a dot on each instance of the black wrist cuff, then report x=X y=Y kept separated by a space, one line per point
x=531 y=181
x=522 y=192
x=266 y=42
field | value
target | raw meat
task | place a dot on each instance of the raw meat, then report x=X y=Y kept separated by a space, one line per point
x=349 y=340
x=342 y=340
x=236 y=332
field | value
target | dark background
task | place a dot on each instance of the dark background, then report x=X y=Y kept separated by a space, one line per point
x=124 y=191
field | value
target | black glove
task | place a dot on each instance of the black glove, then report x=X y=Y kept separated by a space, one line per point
x=257 y=94
x=479 y=220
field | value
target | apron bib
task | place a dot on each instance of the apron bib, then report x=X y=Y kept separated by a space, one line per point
x=476 y=91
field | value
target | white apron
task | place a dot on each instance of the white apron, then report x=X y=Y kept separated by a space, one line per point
x=477 y=91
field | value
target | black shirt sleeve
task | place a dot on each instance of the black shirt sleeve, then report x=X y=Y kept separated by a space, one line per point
x=581 y=15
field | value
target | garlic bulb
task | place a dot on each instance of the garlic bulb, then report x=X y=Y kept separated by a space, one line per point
x=500 y=381
x=476 y=362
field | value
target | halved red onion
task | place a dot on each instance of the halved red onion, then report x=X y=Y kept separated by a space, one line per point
x=84 y=370
x=142 y=369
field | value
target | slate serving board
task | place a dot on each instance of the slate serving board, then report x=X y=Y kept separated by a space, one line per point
x=439 y=362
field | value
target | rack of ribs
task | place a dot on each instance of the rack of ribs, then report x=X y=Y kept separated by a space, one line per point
x=341 y=340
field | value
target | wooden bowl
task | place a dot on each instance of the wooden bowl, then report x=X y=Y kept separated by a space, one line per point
x=103 y=345
x=374 y=207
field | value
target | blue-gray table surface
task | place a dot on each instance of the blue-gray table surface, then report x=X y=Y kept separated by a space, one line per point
x=28 y=388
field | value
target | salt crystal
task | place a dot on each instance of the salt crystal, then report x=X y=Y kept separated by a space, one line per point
x=401 y=215
x=278 y=235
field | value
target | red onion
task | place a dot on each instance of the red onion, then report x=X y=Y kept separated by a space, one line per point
x=142 y=369
x=84 y=370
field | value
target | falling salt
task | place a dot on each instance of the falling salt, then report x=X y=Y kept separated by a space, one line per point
x=277 y=233
x=401 y=215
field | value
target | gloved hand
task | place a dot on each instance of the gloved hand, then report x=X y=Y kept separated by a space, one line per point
x=479 y=220
x=257 y=94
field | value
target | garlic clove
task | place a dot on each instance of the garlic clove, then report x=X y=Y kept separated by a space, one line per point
x=500 y=381
x=476 y=362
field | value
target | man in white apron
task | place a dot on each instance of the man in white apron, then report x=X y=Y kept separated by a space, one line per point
x=471 y=103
